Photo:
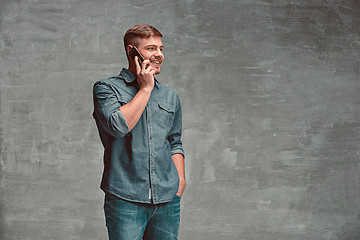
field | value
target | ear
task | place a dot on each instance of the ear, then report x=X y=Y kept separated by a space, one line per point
x=128 y=48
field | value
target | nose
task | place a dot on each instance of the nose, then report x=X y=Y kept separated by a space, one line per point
x=159 y=53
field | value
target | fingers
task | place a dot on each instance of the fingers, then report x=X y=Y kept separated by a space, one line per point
x=138 y=67
x=145 y=65
x=144 y=68
x=141 y=67
x=145 y=74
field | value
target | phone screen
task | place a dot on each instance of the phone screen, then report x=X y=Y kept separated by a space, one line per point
x=135 y=52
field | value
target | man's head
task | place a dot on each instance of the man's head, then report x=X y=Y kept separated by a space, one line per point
x=148 y=41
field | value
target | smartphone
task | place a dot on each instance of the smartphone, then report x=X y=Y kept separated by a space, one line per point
x=135 y=52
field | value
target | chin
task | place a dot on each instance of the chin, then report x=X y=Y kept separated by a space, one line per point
x=157 y=71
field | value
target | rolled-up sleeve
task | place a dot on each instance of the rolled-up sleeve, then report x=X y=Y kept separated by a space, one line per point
x=106 y=110
x=176 y=131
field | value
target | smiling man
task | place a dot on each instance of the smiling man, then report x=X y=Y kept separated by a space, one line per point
x=139 y=123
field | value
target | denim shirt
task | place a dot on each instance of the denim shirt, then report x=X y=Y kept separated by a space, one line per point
x=137 y=164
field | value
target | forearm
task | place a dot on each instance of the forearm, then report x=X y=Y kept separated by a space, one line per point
x=179 y=162
x=133 y=110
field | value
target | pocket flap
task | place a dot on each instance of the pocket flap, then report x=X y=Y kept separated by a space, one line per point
x=167 y=107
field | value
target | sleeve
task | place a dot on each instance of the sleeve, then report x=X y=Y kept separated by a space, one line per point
x=176 y=131
x=106 y=110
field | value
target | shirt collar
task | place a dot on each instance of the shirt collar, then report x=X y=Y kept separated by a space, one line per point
x=129 y=77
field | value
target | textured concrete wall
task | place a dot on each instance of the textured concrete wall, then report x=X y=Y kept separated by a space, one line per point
x=270 y=94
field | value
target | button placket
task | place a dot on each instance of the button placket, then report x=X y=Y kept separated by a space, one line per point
x=151 y=156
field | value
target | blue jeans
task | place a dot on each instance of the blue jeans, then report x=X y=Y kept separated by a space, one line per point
x=135 y=221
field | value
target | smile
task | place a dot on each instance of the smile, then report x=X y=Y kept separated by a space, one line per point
x=156 y=62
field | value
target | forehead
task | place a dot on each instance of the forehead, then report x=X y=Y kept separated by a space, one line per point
x=153 y=40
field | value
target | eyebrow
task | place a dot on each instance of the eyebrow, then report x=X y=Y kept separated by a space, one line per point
x=154 y=46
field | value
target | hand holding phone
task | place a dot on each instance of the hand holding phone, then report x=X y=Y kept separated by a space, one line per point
x=145 y=74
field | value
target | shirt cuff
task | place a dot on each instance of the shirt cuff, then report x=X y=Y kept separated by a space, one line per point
x=178 y=150
x=119 y=124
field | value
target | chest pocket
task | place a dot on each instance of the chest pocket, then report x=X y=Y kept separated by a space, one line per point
x=166 y=113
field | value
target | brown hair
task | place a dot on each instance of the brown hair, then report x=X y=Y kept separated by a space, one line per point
x=139 y=31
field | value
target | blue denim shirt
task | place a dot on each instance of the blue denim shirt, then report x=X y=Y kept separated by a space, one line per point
x=137 y=164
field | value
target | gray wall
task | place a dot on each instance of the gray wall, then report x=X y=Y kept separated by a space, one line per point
x=270 y=95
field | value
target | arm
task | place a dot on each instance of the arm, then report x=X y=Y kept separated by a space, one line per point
x=145 y=76
x=106 y=111
x=132 y=111
x=119 y=120
x=177 y=148
x=180 y=167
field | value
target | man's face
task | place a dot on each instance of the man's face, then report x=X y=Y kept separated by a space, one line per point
x=152 y=49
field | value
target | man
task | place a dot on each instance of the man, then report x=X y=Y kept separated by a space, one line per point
x=139 y=123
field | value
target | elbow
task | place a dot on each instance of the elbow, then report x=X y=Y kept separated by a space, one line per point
x=118 y=127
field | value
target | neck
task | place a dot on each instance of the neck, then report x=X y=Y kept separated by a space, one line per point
x=132 y=69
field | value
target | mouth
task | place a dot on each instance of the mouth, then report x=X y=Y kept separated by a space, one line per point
x=156 y=61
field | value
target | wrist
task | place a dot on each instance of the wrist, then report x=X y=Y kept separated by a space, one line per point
x=146 y=89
